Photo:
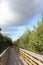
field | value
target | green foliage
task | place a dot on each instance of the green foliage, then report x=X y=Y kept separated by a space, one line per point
x=33 y=40
x=4 y=42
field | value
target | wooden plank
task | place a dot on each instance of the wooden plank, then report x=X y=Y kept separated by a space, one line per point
x=28 y=59
x=40 y=57
x=34 y=60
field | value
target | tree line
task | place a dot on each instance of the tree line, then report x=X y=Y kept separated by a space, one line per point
x=32 y=40
x=5 y=42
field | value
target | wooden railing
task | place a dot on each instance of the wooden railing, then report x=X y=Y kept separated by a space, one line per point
x=31 y=58
x=4 y=56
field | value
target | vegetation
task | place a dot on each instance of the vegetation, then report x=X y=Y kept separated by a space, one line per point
x=4 y=42
x=32 y=40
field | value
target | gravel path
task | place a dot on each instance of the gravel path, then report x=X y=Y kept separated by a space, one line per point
x=15 y=59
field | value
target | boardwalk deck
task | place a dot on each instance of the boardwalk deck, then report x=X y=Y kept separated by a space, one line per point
x=15 y=59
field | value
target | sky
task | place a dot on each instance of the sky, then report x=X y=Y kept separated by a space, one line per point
x=18 y=15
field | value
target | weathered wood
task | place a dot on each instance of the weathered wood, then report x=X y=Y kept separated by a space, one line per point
x=29 y=58
x=40 y=57
x=4 y=56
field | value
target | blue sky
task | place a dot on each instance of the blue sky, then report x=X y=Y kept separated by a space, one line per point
x=30 y=25
x=17 y=15
x=34 y=21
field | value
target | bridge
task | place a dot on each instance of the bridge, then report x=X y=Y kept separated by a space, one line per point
x=13 y=56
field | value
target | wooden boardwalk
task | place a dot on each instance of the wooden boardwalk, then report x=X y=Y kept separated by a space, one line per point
x=15 y=59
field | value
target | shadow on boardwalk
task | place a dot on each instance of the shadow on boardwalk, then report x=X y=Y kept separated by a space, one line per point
x=14 y=58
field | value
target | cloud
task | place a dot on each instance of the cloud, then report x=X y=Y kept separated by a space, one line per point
x=15 y=12
x=13 y=31
x=27 y=9
x=9 y=31
x=6 y=16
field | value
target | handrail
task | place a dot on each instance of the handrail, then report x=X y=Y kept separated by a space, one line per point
x=3 y=52
x=4 y=56
x=31 y=57
x=40 y=57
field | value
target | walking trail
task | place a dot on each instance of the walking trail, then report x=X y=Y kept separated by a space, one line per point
x=14 y=58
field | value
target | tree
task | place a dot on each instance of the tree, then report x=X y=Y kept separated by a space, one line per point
x=39 y=31
x=32 y=39
x=0 y=29
x=4 y=42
